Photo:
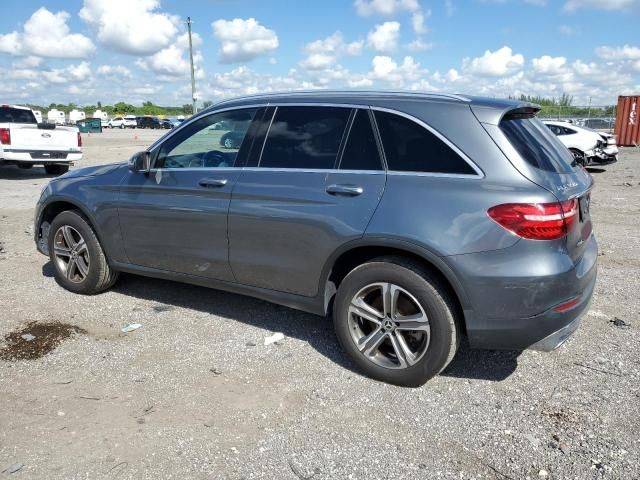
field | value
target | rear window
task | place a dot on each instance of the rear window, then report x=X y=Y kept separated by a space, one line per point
x=409 y=147
x=16 y=115
x=536 y=144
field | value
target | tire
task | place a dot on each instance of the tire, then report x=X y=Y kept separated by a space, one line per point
x=122 y=126
x=99 y=276
x=435 y=348
x=56 y=169
x=578 y=156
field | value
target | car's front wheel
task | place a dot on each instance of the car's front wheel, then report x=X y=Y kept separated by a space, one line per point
x=80 y=264
x=396 y=321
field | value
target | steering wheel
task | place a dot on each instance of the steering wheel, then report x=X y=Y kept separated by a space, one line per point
x=214 y=159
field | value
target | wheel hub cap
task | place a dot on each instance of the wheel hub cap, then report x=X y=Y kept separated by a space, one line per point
x=70 y=253
x=388 y=325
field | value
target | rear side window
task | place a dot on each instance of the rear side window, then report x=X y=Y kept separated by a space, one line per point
x=536 y=144
x=16 y=115
x=361 y=150
x=409 y=147
x=304 y=137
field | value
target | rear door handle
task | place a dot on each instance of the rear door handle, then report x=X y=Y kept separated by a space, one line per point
x=344 y=190
x=212 y=182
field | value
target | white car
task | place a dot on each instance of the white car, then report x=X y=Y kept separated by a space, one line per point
x=25 y=143
x=587 y=146
x=122 y=122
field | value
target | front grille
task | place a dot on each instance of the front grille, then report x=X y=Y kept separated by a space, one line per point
x=49 y=155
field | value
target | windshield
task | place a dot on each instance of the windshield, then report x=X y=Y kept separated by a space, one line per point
x=16 y=115
x=536 y=144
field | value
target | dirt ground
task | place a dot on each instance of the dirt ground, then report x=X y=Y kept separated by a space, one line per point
x=195 y=393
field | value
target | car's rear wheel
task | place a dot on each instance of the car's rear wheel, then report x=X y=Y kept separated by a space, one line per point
x=56 y=169
x=79 y=262
x=578 y=156
x=396 y=321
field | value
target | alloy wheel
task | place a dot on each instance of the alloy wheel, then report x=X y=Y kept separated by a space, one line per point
x=388 y=325
x=71 y=254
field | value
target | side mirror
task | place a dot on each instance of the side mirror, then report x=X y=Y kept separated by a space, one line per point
x=140 y=162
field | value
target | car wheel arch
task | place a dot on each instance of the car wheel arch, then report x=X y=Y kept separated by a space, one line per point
x=356 y=253
x=56 y=205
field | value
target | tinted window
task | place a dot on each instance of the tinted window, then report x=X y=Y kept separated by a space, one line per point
x=361 y=150
x=536 y=144
x=213 y=141
x=568 y=131
x=304 y=137
x=409 y=147
x=555 y=129
x=16 y=115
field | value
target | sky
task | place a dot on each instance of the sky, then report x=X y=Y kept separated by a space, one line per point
x=85 y=51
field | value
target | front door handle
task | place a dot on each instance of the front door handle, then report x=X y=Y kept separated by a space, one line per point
x=344 y=190
x=212 y=182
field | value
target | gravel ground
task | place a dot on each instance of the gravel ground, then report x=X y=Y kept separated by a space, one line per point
x=195 y=393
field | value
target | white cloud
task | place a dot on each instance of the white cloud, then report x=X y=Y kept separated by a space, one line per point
x=130 y=26
x=567 y=30
x=385 y=7
x=46 y=34
x=72 y=73
x=384 y=37
x=418 y=45
x=573 y=5
x=28 y=62
x=493 y=64
x=386 y=69
x=449 y=8
x=243 y=39
x=626 y=52
x=417 y=22
x=549 y=65
x=322 y=54
x=113 y=70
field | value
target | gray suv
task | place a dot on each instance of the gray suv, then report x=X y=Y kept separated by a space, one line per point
x=415 y=219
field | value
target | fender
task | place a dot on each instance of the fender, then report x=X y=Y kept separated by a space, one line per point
x=390 y=242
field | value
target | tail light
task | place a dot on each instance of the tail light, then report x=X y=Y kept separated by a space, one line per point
x=5 y=136
x=79 y=139
x=536 y=221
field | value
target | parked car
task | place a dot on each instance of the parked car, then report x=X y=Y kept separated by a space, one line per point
x=130 y=121
x=587 y=146
x=599 y=123
x=149 y=122
x=174 y=122
x=460 y=216
x=25 y=142
x=167 y=124
x=232 y=139
x=122 y=122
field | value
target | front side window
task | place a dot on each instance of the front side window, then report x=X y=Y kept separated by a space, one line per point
x=304 y=137
x=409 y=147
x=210 y=142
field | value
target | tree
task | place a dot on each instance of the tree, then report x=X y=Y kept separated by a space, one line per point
x=207 y=103
x=99 y=105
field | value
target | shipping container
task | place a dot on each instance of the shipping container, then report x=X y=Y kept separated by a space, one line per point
x=628 y=121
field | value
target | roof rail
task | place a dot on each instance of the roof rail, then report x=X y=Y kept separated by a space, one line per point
x=320 y=92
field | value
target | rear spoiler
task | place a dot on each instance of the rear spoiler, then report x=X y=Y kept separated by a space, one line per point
x=494 y=116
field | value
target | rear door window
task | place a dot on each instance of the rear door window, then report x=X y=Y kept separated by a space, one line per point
x=304 y=137
x=409 y=147
x=536 y=144
x=361 y=150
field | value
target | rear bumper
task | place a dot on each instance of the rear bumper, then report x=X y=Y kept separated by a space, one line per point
x=40 y=157
x=514 y=295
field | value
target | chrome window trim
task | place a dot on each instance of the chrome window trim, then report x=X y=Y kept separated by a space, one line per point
x=447 y=142
x=472 y=164
x=269 y=169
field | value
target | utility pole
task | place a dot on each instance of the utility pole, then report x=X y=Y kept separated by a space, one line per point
x=193 y=76
x=589 y=111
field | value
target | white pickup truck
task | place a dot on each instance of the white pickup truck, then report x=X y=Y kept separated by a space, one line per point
x=25 y=142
